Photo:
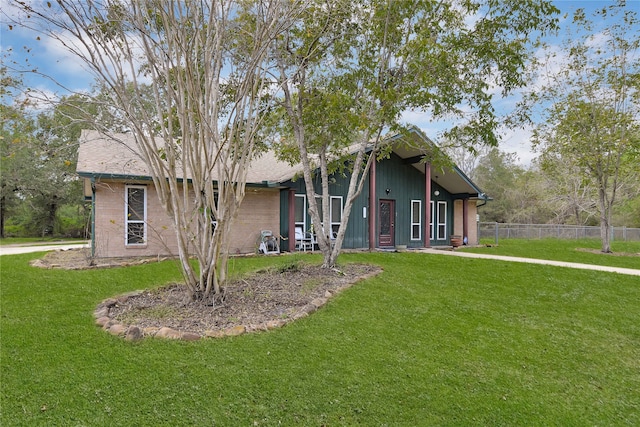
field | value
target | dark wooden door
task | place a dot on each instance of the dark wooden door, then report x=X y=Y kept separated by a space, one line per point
x=387 y=215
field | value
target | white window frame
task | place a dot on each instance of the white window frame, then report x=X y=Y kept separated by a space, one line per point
x=334 y=223
x=331 y=221
x=442 y=222
x=416 y=221
x=128 y=221
x=320 y=211
x=432 y=218
x=208 y=214
x=305 y=210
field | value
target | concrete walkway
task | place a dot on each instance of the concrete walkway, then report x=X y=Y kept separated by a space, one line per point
x=630 y=271
x=25 y=249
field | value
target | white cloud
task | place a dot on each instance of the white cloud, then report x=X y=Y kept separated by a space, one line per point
x=511 y=140
x=56 y=54
x=552 y=60
x=598 y=41
x=518 y=141
x=39 y=98
x=59 y=56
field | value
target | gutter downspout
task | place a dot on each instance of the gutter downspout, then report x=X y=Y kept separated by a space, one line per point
x=484 y=200
x=465 y=220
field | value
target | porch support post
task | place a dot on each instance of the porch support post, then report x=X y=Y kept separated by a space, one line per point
x=465 y=219
x=372 y=204
x=427 y=204
x=292 y=219
x=93 y=217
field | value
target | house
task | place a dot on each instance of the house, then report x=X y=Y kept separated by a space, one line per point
x=414 y=204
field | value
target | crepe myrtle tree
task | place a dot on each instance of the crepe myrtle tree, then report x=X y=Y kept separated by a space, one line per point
x=591 y=115
x=205 y=63
x=348 y=70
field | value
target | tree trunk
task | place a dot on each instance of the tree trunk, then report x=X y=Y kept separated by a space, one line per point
x=605 y=235
x=51 y=216
x=356 y=184
x=2 y=214
x=605 y=219
x=207 y=72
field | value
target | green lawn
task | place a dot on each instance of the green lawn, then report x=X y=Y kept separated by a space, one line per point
x=434 y=340
x=586 y=251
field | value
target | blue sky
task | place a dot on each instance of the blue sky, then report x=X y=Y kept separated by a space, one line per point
x=51 y=59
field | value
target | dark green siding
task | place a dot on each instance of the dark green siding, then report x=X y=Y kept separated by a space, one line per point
x=284 y=216
x=357 y=229
x=357 y=235
x=404 y=182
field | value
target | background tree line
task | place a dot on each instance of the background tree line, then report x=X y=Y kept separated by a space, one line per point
x=583 y=103
x=40 y=193
x=548 y=191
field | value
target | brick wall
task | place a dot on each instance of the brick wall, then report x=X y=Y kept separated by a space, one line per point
x=110 y=238
x=260 y=210
x=472 y=227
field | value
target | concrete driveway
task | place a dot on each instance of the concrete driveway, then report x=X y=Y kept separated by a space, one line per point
x=24 y=249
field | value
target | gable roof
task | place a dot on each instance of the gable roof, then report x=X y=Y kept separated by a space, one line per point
x=414 y=147
x=115 y=156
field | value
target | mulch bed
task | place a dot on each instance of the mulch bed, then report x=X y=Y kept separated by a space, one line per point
x=265 y=299
x=262 y=300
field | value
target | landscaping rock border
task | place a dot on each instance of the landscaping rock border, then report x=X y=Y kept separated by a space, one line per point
x=136 y=333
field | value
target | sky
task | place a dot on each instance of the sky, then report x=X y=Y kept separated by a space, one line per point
x=51 y=59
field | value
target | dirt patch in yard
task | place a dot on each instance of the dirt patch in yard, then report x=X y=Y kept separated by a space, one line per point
x=599 y=252
x=80 y=259
x=262 y=300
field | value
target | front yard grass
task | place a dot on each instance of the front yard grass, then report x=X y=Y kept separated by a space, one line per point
x=585 y=251
x=433 y=340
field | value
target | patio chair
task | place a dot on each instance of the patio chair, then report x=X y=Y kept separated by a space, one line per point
x=268 y=243
x=304 y=240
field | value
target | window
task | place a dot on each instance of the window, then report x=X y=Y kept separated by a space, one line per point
x=442 y=220
x=136 y=214
x=214 y=222
x=336 y=213
x=209 y=214
x=319 y=205
x=432 y=234
x=416 y=219
x=300 y=214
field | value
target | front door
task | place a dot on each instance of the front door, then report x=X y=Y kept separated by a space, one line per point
x=386 y=233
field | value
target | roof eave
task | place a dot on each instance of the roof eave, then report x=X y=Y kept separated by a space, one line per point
x=113 y=176
x=127 y=177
